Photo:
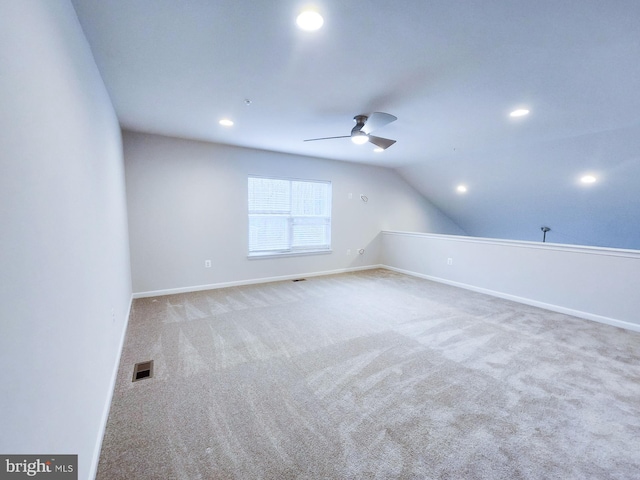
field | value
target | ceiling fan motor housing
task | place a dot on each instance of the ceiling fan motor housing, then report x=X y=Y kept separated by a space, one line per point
x=360 y=121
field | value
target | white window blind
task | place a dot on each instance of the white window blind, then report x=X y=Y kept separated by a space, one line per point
x=288 y=216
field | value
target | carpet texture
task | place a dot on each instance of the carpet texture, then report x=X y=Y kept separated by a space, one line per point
x=371 y=375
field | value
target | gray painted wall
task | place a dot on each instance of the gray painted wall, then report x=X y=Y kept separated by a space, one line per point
x=187 y=202
x=66 y=284
x=594 y=283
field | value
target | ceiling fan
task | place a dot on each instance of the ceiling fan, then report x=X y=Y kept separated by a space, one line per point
x=364 y=126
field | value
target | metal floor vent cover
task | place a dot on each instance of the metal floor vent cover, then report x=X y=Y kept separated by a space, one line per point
x=142 y=370
x=299 y=280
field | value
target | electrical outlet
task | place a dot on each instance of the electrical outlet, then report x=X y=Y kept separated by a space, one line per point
x=449 y=261
x=207 y=264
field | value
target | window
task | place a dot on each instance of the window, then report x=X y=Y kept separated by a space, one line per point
x=288 y=216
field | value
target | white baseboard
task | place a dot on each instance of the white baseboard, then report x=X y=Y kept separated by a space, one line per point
x=107 y=406
x=213 y=286
x=527 y=301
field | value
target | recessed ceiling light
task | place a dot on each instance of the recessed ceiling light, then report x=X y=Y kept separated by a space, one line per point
x=588 y=179
x=225 y=122
x=461 y=189
x=310 y=20
x=520 y=112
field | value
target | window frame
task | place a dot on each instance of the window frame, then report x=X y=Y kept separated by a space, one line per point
x=291 y=220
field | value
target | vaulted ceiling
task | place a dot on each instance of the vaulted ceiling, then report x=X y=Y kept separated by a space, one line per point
x=451 y=71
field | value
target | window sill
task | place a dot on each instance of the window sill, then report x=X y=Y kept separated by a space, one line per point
x=260 y=256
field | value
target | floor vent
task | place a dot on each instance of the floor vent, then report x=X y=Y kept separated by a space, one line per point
x=299 y=280
x=142 y=370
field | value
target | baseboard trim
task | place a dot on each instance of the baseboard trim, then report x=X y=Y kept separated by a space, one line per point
x=239 y=283
x=107 y=407
x=527 y=301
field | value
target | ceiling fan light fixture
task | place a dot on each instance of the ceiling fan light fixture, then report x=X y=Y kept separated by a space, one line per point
x=359 y=138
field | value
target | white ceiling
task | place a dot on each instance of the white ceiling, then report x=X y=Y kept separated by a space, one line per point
x=451 y=71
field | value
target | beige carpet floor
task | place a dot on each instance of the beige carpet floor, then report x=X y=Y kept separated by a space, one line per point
x=371 y=375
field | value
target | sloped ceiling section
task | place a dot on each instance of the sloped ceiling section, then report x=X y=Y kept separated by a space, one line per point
x=450 y=71
x=515 y=189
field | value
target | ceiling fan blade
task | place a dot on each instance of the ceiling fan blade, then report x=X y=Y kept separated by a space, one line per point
x=377 y=120
x=383 y=143
x=325 y=138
